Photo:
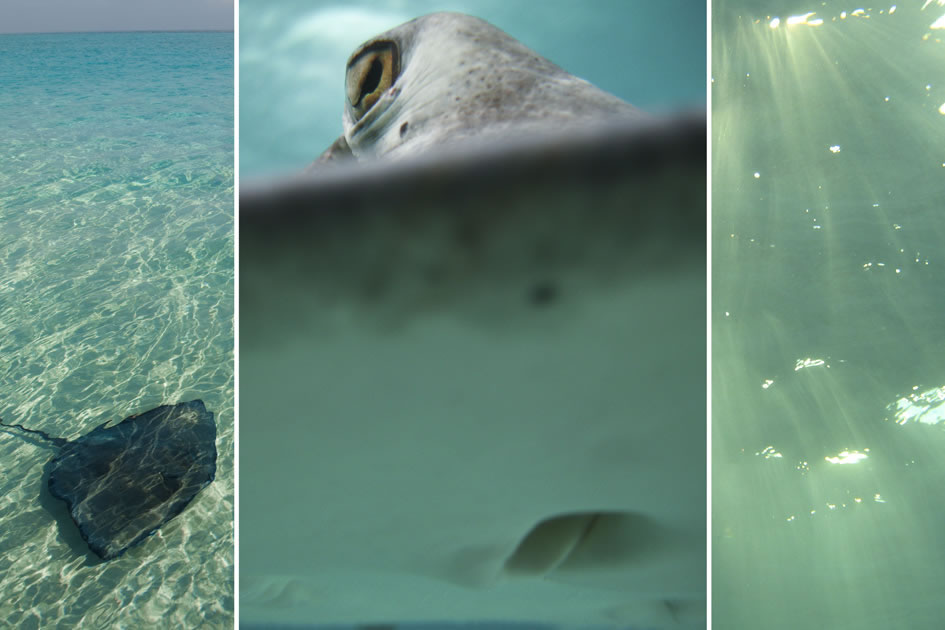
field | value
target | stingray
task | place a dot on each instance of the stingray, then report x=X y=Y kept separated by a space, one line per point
x=480 y=318
x=449 y=79
x=121 y=483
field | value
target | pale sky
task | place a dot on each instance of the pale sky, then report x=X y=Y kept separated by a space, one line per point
x=54 y=16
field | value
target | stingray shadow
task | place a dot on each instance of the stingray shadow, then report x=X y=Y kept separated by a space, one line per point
x=68 y=531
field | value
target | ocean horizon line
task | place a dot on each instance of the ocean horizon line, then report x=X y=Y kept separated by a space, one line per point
x=196 y=30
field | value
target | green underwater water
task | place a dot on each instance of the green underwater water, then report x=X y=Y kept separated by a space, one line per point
x=827 y=327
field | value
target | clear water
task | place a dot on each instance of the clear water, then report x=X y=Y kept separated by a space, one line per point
x=116 y=296
x=828 y=327
x=293 y=55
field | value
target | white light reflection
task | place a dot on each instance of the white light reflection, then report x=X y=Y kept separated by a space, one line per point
x=770 y=452
x=927 y=407
x=807 y=363
x=848 y=457
x=803 y=19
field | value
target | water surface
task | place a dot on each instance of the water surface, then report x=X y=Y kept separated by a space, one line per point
x=116 y=296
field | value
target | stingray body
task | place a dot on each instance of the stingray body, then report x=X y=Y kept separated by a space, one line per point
x=123 y=482
x=484 y=338
x=448 y=79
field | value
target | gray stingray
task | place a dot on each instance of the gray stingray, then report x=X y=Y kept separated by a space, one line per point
x=400 y=101
x=123 y=482
x=480 y=320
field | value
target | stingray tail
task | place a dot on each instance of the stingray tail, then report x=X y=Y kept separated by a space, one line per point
x=54 y=440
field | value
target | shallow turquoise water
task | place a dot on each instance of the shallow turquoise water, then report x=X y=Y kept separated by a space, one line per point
x=828 y=335
x=116 y=296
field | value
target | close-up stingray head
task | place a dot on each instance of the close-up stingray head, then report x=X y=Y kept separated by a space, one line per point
x=446 y=78
x=483 y=339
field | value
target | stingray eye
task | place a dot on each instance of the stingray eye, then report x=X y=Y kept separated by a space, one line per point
x=370 y=73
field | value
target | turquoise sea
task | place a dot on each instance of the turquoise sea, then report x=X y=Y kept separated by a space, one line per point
x=116 y=296
x=828 y=315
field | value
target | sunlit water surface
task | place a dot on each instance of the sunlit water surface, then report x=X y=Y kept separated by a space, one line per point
x=828 y=328
x=116 y=296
